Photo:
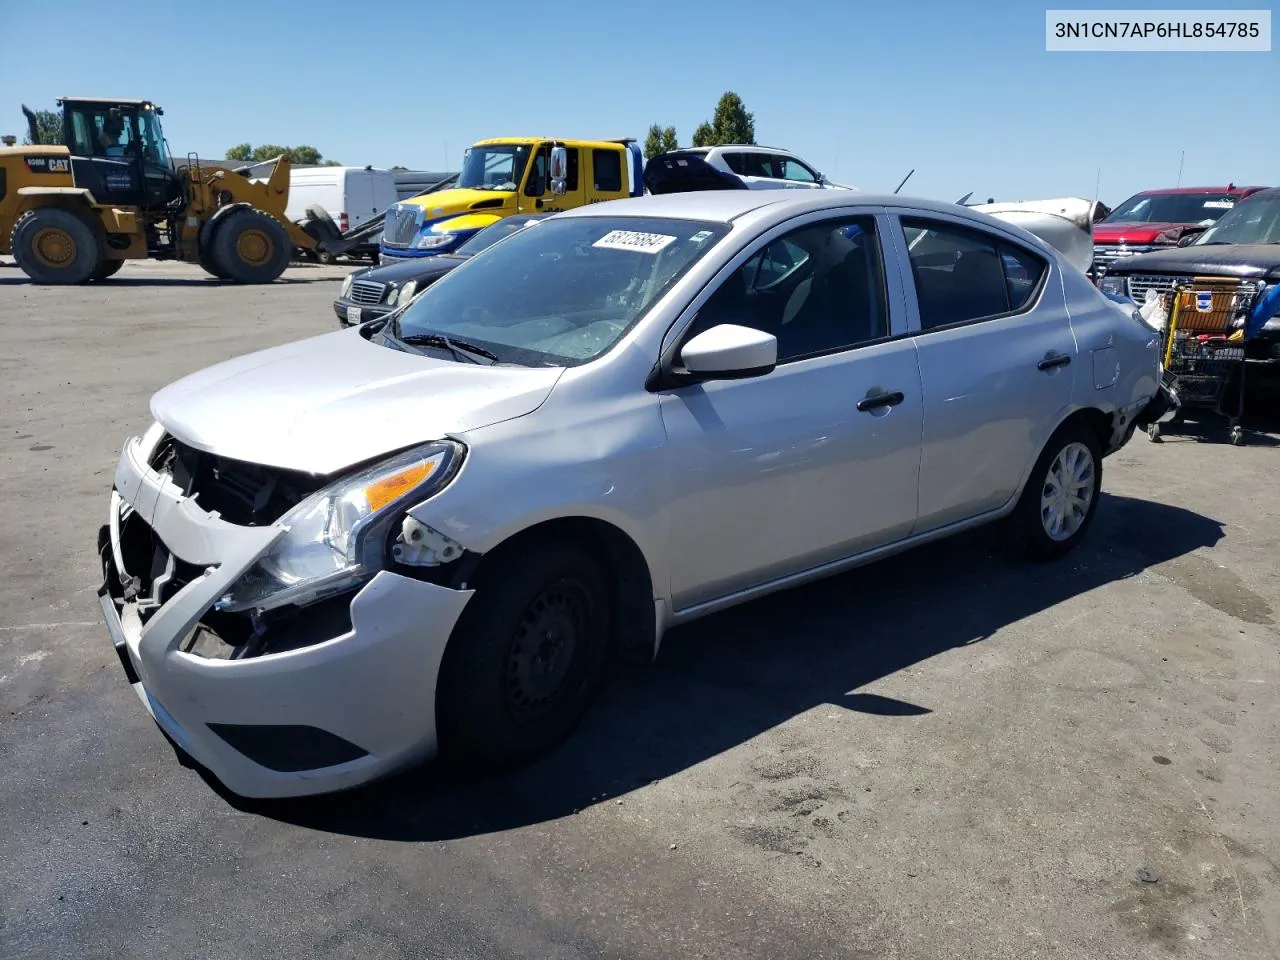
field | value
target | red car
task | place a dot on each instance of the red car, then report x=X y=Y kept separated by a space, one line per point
x=1135 y=226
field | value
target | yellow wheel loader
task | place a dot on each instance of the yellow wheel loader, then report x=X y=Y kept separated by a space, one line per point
x=76 y=212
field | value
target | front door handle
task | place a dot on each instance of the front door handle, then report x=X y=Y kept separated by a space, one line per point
x=1058 y=360
x=878 y=400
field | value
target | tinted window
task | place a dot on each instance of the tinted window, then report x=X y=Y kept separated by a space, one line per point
x=817 y=289
x=606 y=170
x=735 y=161
x=1173 y=208
x=962 y=275
x=571 y=180
x=793 y=170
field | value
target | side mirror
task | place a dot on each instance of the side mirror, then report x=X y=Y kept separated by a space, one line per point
x=559 y=170
x=730 y=352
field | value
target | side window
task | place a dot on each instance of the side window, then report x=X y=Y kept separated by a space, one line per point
x=1022 y=273
x=606 y=170
x=536 y=184
x=962 y=274
x=571 y=181
x=735 y=161
x=793 y=170
x=83 y=146
x=817 y=289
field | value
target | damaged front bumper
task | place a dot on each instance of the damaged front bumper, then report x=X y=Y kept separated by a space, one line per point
x=346 y=696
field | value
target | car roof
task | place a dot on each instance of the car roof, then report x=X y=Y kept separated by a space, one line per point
x=725 y=206
x=1230 y=188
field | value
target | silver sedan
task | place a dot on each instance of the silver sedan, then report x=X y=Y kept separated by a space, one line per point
x=332 y=559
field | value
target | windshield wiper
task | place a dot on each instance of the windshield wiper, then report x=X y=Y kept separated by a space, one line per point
x=459 y=348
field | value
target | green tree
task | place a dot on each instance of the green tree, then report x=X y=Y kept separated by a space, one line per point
x=304 y=155
x=660 y=140
x=48 y=126
x=731 y=122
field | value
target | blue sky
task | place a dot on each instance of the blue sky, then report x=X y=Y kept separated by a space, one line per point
x=963 y=92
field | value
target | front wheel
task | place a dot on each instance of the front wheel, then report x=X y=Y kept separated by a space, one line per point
x=250 y=246
x=106 y=268
x=526 y=658
x=1061 y=495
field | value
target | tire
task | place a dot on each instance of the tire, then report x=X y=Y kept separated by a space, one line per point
x=55 y=246
x=495 y=705
x=1073 y=449
x=106 y=268
x=250 y=247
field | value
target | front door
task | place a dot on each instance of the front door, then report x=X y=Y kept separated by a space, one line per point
x=816 y=460
x=996 y=359
x=536 y=196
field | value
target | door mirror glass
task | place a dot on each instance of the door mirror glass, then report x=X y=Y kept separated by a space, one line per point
x=729 y=351
x=559 y=170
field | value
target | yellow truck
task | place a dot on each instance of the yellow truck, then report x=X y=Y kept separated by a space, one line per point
x=507 y=176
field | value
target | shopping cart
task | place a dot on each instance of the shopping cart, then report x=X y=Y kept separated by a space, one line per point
x=1204 y=349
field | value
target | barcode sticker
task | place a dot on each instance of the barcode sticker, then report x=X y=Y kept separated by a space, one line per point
x=634 y=240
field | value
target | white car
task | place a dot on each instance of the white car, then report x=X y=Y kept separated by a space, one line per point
x=328 y=560
x=762 y=168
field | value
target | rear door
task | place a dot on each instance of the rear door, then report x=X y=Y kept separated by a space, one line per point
x=996 y=354
x=360 y=202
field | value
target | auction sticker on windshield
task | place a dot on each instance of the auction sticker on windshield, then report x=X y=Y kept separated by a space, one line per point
x=634 y=240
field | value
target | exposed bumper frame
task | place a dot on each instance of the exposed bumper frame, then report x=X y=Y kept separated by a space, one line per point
x=373 y=686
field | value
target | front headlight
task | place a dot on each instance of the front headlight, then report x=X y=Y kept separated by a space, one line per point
x=1114 y=285
x=339 y=535
x=408 y=290
x=430 y=241
x=392 y=296
x=346 y=285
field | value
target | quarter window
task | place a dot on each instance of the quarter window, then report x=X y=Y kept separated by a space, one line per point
x=963 y=275
x=818 y=289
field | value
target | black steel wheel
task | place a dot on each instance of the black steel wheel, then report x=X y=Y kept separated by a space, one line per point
x=526 y=658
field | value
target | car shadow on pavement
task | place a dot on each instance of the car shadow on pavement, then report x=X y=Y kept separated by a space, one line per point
x=723 y=680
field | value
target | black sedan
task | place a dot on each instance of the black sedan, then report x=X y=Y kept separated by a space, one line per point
x=373 y=292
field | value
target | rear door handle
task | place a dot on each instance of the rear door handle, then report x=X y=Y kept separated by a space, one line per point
x=879 y=400
x=1049 y=363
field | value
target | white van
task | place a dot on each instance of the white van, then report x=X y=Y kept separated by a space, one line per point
x=350 y=195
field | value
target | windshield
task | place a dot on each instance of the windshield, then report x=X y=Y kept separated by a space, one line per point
x=493 y=168
x=563 y=292
x=1255 y=221
x=1201 y=208
x=492 y=234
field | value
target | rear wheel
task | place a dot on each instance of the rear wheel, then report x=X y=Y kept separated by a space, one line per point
x=250 y=247
x=1061 y=495
x=106 y=268
x=526 y=658
x=53 y=245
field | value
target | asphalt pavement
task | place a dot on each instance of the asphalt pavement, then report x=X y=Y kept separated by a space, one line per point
x=946 y=755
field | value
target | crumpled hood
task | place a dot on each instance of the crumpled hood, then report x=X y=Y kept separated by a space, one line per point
x=332 y=401
x=1248 y=261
